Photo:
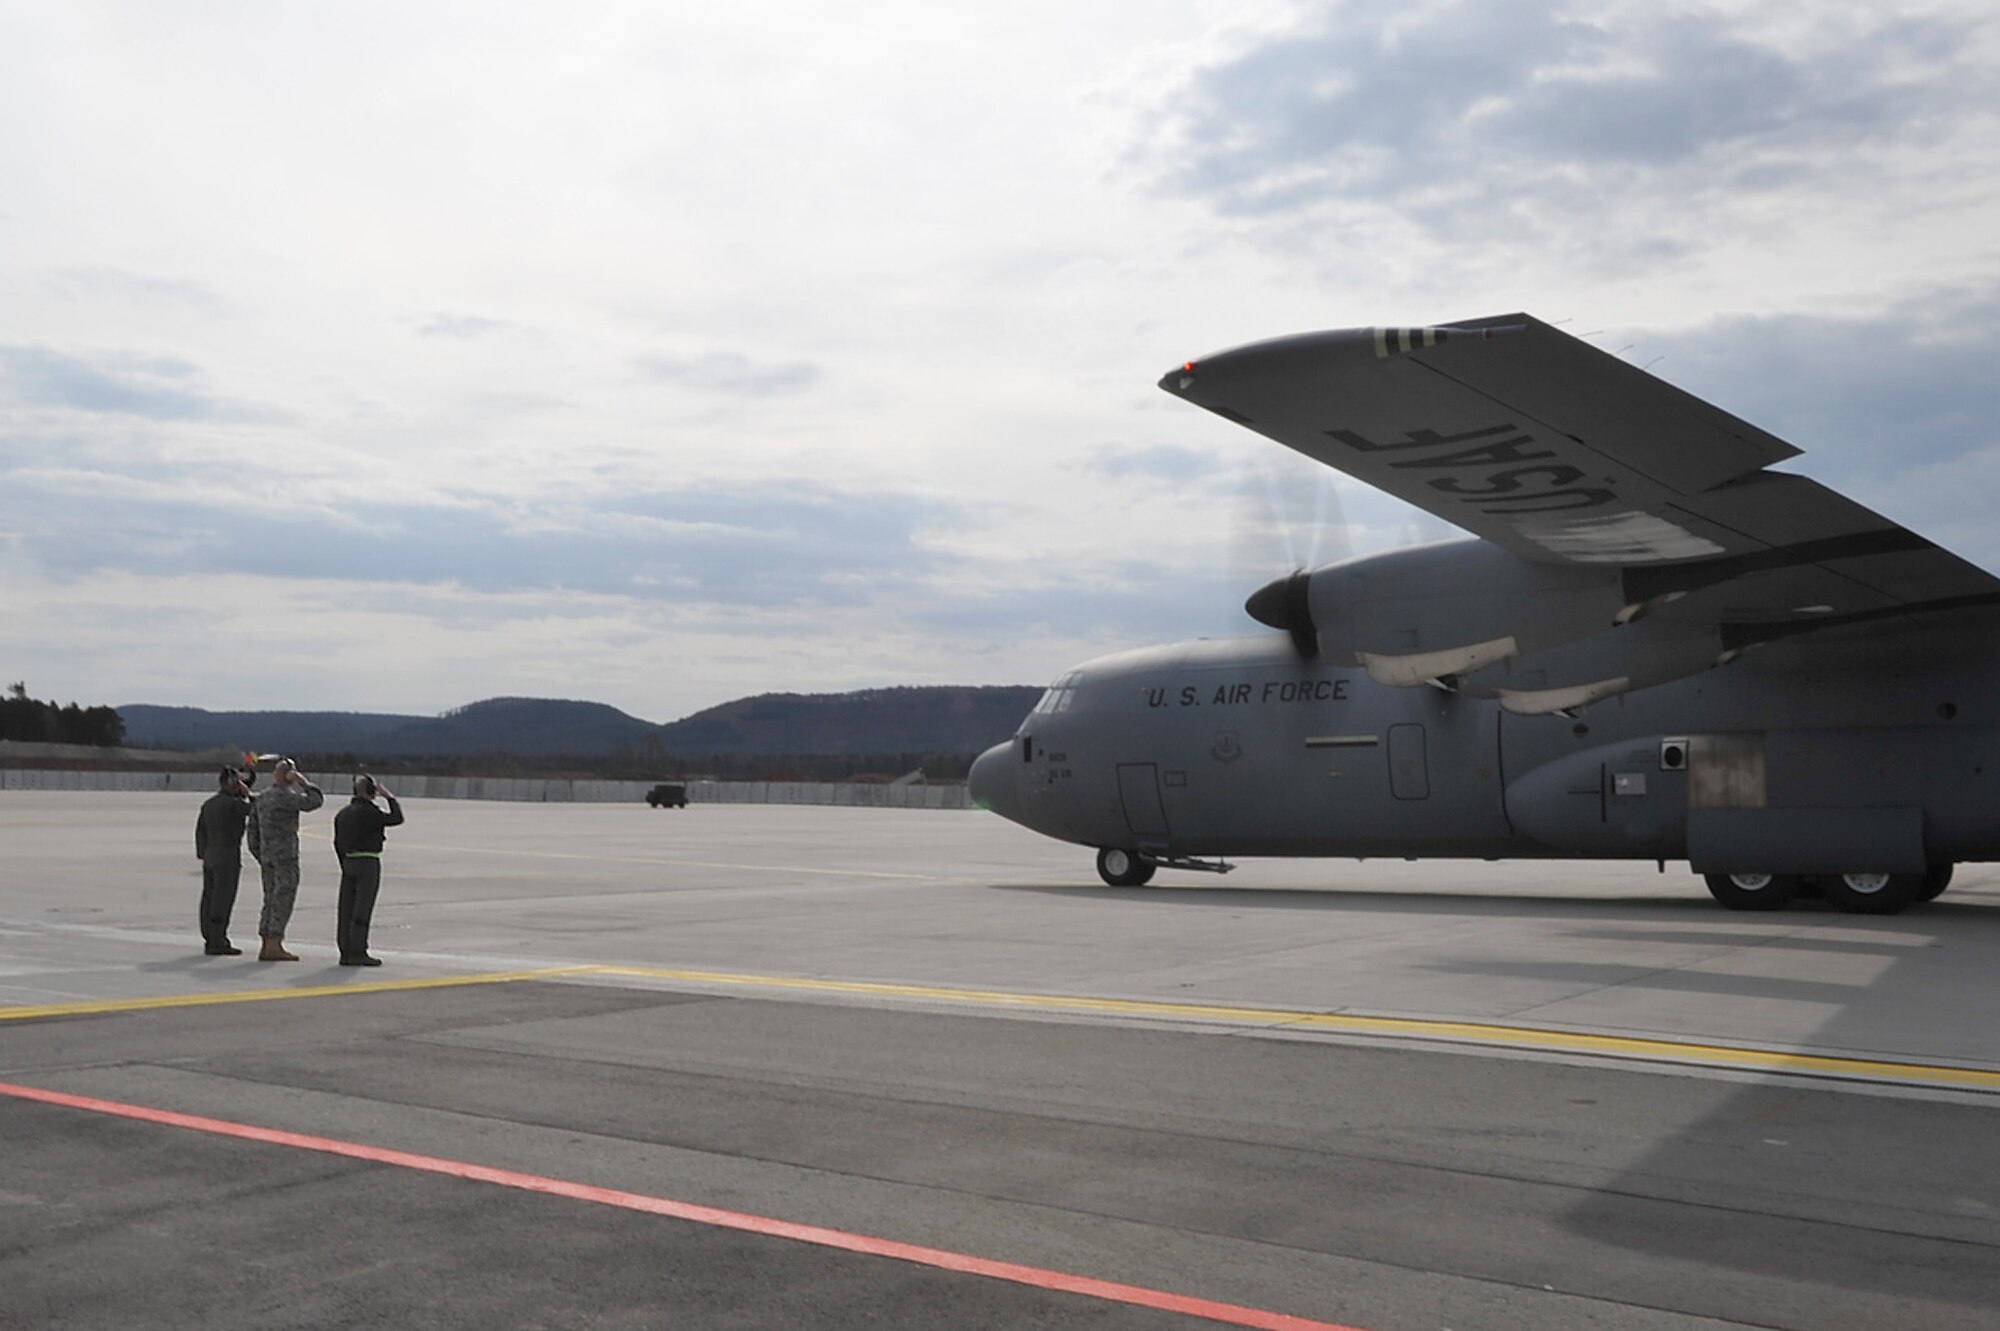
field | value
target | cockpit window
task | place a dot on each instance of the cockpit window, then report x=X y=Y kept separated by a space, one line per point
x=1060 y=694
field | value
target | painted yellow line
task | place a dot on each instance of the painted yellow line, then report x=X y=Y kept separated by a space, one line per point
x=668 y=863
x=104 y=1005
x=1410 y=1028
x=1415 y=1028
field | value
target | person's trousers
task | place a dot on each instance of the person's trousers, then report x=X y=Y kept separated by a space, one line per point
x=281 y=889
x=218 y=899
x=360 y=880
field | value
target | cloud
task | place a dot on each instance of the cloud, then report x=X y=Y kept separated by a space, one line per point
x=730 y=373
x=1897 y=409
x=1868 y=394
x=1174 y=465
x=790 y=544
x=1464 y=117
x=142 y=289
x=1691 y=92
x=462 y=327
x=158 y=388
x=136 y=386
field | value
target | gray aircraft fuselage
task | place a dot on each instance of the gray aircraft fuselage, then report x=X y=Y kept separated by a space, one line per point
x=1651 y=645
x=1808 y=756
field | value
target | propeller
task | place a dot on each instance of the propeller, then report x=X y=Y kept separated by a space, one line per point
x=1290 y=503
x=1287 y=604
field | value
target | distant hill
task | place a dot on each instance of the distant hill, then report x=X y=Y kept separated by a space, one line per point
x=192 y=728
x=940 y=720
x=530 y=727
x=903 y=720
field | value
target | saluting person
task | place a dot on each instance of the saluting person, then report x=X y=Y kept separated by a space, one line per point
x=218 y=844
x=277 y=850
x=357 y=840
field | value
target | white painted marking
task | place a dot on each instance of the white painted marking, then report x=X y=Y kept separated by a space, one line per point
x=1622 y=538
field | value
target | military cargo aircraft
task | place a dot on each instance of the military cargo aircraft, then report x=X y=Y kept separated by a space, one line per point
x=1654 y=646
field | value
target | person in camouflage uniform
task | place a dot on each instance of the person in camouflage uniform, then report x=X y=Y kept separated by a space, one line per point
x=277 y=812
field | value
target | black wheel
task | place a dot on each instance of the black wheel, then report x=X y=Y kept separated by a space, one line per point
x=1752 y=891
x=1935 y=881
x=1124 y=868
x=1873 y=893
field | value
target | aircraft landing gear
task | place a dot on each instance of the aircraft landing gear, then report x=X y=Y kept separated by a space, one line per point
x=1874 y=893
x=1124 y=868
x=1859 y=893
x=1753 y=891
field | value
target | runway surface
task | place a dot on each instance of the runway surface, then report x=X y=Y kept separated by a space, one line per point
x=752 y=1066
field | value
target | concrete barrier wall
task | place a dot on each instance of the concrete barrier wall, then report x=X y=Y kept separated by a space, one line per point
x=528 y=789
x=193 y=783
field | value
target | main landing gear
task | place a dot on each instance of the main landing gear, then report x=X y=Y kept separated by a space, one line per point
x=1860 y=893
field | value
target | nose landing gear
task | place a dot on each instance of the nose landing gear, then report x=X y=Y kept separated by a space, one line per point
x=1124 y=868
x=1130 y=868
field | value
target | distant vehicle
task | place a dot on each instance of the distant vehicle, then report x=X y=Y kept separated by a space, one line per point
x=668 y=795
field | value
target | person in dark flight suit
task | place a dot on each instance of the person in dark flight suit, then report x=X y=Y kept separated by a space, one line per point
x=218 y=844
x=357 y=842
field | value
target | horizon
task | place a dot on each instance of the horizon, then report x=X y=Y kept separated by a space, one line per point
x=587 y=702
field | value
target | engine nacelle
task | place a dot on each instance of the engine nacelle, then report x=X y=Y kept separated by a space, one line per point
x=1576 y=674
x=1432 y=611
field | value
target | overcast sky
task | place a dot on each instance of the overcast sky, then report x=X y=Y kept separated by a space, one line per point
x=393 y=356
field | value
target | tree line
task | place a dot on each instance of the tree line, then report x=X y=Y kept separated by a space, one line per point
x=624 y=764
x=37 y=722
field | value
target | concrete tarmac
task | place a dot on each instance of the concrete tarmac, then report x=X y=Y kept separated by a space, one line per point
x=618 y=1055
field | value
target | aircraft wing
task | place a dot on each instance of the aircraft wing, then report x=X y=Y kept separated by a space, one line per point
x=1564 y=454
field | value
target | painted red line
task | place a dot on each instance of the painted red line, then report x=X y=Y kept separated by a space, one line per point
x=944 y=1259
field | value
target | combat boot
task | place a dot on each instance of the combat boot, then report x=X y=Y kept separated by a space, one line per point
x=274 y=950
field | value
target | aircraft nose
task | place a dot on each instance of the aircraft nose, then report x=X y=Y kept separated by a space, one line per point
x=995 y=781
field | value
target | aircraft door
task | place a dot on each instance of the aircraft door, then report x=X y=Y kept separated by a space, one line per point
x=1409 y=774
x=1139 y=788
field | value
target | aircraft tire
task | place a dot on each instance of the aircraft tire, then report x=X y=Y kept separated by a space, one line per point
x=1873 y=893
x=1753 y=891
x=1124 y=868
x=1935 y=881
